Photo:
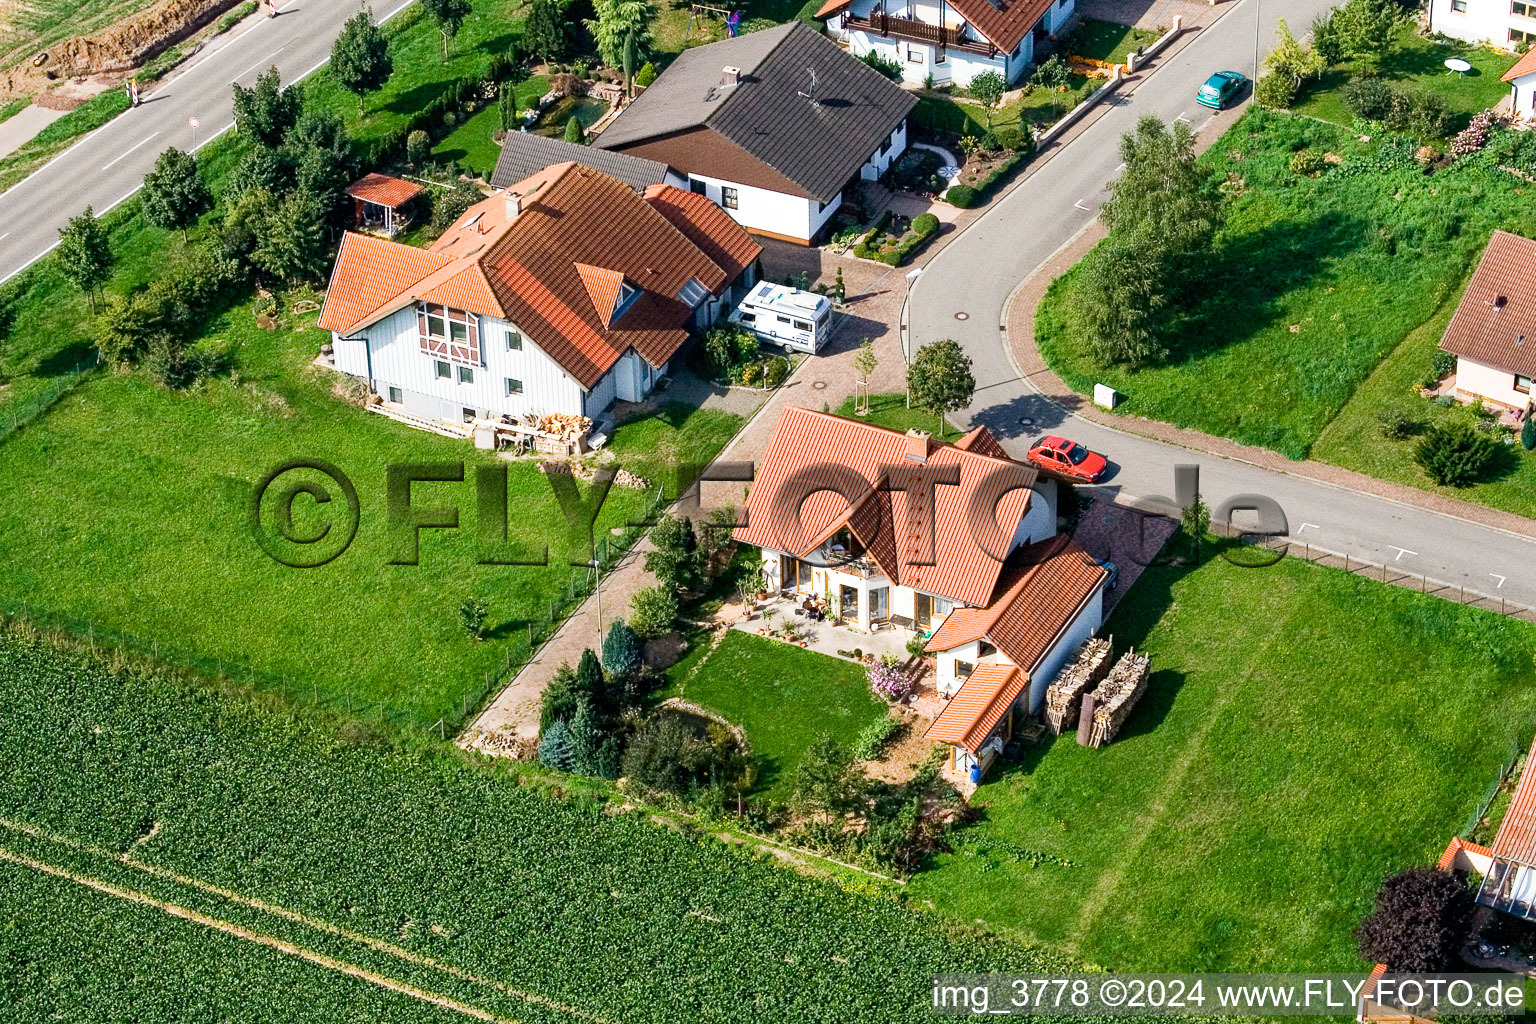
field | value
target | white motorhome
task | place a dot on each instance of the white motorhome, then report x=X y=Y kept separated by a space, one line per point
x=797 y=320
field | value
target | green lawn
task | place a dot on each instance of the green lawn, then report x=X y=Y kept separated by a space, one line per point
x=783 y=697
x=1419 y=64
x=164 y=478
x=1306 y=732
x=471 y=145
x=890 y=410
x=957 y=115
x=1313 y=282
x=1106 y=40
x=1354 y=439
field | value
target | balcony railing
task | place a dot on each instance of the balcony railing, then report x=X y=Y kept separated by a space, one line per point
x=881 y=24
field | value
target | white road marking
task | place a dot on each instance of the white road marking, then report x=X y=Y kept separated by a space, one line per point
x=263 y=60
x=1120 y=168
x=1304 y=526
x=130 y=149
x=1182 y=117
x=1400 y=552
x=5 y=236
x=1080 y=206
x=1495 y=575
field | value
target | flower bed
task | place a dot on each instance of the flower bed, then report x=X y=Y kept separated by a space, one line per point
x=893 y=240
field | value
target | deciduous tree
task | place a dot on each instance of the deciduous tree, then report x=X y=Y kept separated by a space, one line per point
x=84 y=255
x=940 y=379
x=265 y=112
x=1423 y=917
x=448 y=16
x=988 y=88
x=360 y=58
x=1053 y=75
x=174 y=193
x=652 y=611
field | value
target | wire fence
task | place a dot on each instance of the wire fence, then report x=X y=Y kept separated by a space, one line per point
x=239 y=673
x=22 y=412
x=1394 y=576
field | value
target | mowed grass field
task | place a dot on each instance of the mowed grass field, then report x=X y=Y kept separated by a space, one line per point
x=1311 y=284
x=130 y=503
x=783 y=697
x=1305 y=733
x=461 y=878
x=1354 y=439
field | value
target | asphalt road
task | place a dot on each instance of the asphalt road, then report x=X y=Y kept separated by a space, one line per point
x=975 y=273
x=107 y=166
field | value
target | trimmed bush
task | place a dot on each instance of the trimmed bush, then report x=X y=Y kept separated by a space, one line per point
x=871 y=742
x=1277 y=92
x=961 y=196
x=1367 y=98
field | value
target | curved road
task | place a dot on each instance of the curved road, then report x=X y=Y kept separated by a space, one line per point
x=108 y=165
x=975 y=273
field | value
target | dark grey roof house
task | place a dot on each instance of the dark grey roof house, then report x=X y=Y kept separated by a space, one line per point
x=783 y=111
x=524 y=154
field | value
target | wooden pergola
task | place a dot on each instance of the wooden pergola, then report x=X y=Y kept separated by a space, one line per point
x=378 y=196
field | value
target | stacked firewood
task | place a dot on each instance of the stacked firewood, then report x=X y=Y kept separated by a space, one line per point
x=566 y=426
x=1117 y=695
x=1064 y=698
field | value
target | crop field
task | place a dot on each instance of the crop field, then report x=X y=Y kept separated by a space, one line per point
x=1306 y=733
x=1313 y=282
x=214 y=862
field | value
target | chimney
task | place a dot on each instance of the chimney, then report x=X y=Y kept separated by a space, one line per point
x=1499 y=301
x=730 y=76
x=917 y=446
x=514 y=205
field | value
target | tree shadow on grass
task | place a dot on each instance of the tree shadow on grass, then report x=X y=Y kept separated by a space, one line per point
x=64 y=361
x=1240 y=293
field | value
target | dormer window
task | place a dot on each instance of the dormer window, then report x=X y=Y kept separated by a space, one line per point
x=628 y=293
x=692 y=293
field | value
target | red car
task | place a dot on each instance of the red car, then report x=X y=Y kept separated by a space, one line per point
x=1067 y=457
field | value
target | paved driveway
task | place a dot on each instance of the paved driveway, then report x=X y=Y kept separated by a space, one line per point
x=966 y=288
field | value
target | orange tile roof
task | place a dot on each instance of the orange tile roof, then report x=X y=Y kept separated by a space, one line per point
x=1041 y=590
x=1526 y=65
x=707 y=226
x=1457 y=844
x=603 y=286
x=980 y=440
x=383 y=190
x=1516 y=839
x=522 y=263
x=1495 y=321
x=976 y=708
x=813 y=446
x=370 y=274
x=1003 y=25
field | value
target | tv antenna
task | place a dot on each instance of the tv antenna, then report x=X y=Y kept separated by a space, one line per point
x=812 y=94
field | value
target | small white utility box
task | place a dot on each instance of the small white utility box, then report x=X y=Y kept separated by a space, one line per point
x=1105 y=396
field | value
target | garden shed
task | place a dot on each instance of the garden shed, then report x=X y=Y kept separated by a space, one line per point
x=978 y=720
x=378 y=198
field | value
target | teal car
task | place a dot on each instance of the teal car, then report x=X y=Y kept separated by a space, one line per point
x=1220 y=89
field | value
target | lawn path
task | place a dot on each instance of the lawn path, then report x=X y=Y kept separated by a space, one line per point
x=1110 y=882
x=260 y=939
x=275 y=910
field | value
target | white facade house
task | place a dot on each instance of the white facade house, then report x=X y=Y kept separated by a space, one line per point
x=833 y=512
x=772 y=127
x=1509 y=24
x=940 y=42
x=559 y=296
x=1493 y=331
x=1522 y=87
